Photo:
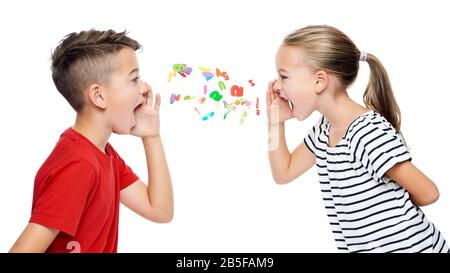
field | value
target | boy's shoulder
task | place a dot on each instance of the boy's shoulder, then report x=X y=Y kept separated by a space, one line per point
x=70 y=152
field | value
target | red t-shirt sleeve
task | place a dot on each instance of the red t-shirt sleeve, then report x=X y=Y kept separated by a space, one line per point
x=61 y=195
x=126 y=175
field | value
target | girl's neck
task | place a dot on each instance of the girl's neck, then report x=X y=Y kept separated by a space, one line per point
x=340 y=110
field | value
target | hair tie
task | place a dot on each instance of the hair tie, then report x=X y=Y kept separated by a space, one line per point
x=363 y=56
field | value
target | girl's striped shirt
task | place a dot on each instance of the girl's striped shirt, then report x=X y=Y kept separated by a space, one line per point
x=368 y=211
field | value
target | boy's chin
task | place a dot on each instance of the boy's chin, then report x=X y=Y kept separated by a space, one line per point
x=123 y=131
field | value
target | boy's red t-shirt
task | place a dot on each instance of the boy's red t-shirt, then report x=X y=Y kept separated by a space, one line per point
x=77 y=191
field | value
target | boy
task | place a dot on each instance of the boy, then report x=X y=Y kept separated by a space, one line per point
x=78 y=188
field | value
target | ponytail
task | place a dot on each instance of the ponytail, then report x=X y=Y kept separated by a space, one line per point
x=379 y=95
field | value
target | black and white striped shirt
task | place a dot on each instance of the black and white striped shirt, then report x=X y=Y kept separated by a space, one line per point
x=368 y=211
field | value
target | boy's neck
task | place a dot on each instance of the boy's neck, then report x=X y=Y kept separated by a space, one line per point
x=93 y=129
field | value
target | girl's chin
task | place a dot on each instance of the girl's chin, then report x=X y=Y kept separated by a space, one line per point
x=299 y=115
x=300 y=118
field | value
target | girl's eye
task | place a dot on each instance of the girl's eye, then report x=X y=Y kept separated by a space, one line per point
x=283 y=77
x=136 y=79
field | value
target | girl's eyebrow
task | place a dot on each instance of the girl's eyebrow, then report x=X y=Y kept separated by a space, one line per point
x=134 y=70
x=282 y=70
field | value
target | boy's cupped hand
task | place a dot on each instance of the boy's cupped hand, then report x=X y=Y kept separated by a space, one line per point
x=147 y=116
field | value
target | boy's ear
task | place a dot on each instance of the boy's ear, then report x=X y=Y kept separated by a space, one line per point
x=322 y=79
x=97 y=96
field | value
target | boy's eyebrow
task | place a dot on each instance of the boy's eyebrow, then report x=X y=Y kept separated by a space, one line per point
x=134 y=70
x=282 y=70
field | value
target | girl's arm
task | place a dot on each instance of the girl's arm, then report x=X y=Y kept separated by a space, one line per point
x=284 y=165
x=421 y=189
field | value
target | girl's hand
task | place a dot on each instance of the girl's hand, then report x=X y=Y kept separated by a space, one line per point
x=278 y=109
x=147 y=116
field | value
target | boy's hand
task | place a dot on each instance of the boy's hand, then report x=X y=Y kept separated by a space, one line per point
x=147 y=116
x=278 y=109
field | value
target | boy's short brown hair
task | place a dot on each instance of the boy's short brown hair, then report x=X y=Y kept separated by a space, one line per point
x=85 y=58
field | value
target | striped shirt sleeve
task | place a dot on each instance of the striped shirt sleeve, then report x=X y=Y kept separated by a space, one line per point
x=378 y=147
x=311 y=138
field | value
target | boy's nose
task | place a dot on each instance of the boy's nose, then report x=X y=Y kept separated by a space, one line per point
x=144 y=88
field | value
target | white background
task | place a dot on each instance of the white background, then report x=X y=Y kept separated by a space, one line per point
x=225 y=198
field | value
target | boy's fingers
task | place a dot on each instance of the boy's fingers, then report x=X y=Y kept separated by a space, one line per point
x=146 y=99
x=145 y=95
x=150 y=96
x=157 y=101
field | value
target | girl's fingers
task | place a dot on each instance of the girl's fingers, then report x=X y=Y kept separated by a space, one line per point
x=268 y=95
x=272 y=92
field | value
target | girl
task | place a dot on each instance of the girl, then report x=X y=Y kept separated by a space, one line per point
x=371 y=190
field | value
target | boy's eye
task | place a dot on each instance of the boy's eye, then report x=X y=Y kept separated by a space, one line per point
x=283 y=77
x=136 y=79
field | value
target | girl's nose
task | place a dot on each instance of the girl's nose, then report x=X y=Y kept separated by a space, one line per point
x=277 y=86
x=278 y=89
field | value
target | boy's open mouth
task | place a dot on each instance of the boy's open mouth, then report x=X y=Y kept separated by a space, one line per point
x=138 y=106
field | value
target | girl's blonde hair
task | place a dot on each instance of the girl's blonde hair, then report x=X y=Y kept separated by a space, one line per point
x=327 y=48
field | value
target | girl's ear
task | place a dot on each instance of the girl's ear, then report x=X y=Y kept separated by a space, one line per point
x=322 y=80
x=96 y=95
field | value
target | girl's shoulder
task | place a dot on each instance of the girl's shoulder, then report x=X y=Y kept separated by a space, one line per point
x=370 y=127
x=367 y=124
x=369 y=119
